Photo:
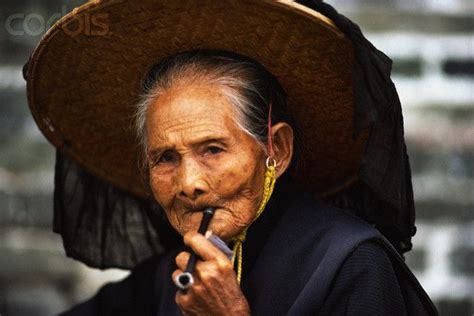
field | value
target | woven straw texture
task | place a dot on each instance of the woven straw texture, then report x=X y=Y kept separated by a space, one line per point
x=82 y=87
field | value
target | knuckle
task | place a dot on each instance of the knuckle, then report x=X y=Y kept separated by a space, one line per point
x=189 y=237
x=182 y=300
x=175 y=273
x=181 y=257
x=208 y=273
x=198 y=290
x=186 y=238
x=214 y=273
x=205 y=277
x=224 y=266
x=211 y=273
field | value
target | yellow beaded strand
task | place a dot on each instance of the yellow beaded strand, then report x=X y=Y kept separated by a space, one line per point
x=270 y=178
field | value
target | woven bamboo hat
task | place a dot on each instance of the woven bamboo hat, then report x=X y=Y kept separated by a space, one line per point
x=84 y=78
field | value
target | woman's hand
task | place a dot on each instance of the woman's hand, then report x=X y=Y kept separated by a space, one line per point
x=215 y=290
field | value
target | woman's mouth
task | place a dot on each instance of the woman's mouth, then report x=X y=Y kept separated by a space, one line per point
x=199 y=209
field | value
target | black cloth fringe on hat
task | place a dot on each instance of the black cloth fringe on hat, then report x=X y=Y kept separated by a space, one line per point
x=384 y=194
x=105 y=227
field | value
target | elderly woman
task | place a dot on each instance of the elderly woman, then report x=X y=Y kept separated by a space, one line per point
x=294 y=139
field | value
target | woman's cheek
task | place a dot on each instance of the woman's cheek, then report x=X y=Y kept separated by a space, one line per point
x=162 y=189
x=225 y=183
x=232 y=177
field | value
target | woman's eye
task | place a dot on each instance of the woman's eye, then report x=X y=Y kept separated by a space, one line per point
x=166 y=157
x=214 y=150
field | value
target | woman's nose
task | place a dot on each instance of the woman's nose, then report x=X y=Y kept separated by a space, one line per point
x=192 y=180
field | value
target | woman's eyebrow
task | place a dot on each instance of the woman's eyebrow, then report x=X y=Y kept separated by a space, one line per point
x=154 y=152
x=207 y=140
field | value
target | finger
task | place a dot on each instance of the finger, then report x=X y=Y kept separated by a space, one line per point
x=175 y=274
x=182 y=260
x=188 y=301
x=182 y=299
x=203 y=247
x=210 y=273
x=201 y=268
x=190 y=290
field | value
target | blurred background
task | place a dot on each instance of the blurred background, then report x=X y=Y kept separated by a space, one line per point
x=432 y=45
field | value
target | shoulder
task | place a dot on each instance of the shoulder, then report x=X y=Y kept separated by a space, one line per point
x=370 y=264
x=325 y=234
x=349 y=260
x=365 y=283
x=372 y=281
x=326 y=224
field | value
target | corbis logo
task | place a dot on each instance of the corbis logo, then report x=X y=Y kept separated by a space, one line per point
x=33 y=24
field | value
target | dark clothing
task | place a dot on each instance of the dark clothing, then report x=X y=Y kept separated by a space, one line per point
x=302 y=257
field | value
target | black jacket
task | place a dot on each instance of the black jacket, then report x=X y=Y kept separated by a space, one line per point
x=301 y=257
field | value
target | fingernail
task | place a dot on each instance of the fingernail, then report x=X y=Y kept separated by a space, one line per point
x=208 y=234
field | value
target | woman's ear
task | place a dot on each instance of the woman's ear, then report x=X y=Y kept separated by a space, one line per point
x=282 y=135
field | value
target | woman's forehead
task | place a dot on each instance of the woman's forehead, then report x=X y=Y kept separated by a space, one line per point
x=189 y=114
x=190 y=102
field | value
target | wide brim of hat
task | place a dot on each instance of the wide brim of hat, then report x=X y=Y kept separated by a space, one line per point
x=84 y=79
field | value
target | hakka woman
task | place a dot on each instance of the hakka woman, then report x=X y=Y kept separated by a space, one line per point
x=277 y=116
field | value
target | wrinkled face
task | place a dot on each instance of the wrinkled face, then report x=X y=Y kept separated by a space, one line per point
x=199 y=157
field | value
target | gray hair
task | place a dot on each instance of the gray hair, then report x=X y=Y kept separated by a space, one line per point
x=233 y=78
